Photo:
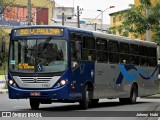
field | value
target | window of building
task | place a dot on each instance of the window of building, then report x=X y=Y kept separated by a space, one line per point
x=120 y=18
x=114 y=19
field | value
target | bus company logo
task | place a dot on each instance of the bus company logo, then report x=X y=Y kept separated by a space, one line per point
x=35 y=79
x=6 y=114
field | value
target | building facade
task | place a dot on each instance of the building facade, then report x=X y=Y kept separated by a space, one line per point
x=41 y=12
x=116 y=19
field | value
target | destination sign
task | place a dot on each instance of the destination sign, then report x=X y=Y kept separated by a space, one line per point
x=38 y=31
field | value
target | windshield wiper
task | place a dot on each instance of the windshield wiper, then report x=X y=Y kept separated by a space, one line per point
x=45 y=44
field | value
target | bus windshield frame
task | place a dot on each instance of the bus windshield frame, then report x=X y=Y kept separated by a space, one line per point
x=38 y=55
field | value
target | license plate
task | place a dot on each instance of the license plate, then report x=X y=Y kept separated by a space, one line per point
x=35 y=94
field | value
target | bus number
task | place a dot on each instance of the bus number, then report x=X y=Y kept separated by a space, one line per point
x=23 y=31
x=46 y=85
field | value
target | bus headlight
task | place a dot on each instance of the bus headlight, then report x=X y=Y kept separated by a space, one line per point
x=10 y=82
x=63 y=82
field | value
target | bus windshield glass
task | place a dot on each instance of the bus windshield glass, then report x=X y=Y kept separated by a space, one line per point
x=38 y=55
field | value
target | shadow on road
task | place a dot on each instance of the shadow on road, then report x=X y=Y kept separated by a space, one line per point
x=77 y=107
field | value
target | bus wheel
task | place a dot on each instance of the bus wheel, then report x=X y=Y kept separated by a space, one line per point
x=133 y=95
x=86 y=98
x=34 y=103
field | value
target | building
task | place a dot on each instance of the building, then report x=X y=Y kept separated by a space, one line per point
x=70 y=19
x=117 y=19
x=17 y=13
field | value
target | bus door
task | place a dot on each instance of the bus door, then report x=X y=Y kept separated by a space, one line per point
x=76 y=62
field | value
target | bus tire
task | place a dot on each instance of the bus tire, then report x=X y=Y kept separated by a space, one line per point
x=84 y=103
x=133 y=94
x=34 y=103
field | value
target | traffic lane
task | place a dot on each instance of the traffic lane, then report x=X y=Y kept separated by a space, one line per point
x=7 y=104
x=104 y=105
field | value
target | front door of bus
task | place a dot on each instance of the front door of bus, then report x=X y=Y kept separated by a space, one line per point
x=76 y=63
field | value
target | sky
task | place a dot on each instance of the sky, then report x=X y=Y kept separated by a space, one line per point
x=90 y=7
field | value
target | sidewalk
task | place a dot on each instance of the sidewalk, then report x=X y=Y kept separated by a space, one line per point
x=3 y=91
x=157 y=96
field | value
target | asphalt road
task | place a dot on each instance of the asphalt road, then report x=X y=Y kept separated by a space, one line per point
x=111 y=107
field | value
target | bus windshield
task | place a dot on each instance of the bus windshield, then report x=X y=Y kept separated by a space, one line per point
x=38 y=55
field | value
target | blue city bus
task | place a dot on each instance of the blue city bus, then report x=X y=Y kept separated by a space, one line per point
x=66 y=64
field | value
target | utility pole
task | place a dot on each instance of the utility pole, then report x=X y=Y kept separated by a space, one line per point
x=148 y=31
x=29 y=12
x=62 y=18
x=95 y=26
x=102 y=22
x=78 y=22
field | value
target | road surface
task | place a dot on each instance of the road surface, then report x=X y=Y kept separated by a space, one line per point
x=109 y=108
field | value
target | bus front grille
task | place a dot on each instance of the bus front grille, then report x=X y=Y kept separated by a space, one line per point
x=35 y=79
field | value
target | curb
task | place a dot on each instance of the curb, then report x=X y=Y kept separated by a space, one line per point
x=157 y=96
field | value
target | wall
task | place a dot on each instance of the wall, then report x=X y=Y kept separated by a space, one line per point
x=38 y=6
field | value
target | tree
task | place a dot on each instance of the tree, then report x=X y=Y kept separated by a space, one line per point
x=140 y=19
x=4 y=4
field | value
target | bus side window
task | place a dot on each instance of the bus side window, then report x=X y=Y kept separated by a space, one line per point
x=89 y=52
x=134 y=57
x=143 y=53
x=124 y=50
x=101 y=50
x=75 y=50
x=113 y=51
x=152 y=56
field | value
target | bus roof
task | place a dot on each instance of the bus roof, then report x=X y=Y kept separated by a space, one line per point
x=97 y=34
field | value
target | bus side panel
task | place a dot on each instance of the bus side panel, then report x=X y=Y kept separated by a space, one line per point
x=82 y=74
x=147 y=80
x=105 y=79
x=145 y=77
x=115 y=81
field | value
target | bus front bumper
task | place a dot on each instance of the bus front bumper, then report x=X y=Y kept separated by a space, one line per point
x=58 y=93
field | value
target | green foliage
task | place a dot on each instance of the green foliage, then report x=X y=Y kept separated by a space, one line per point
x=4 y=55
x=141 y=18
x=4 y=4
